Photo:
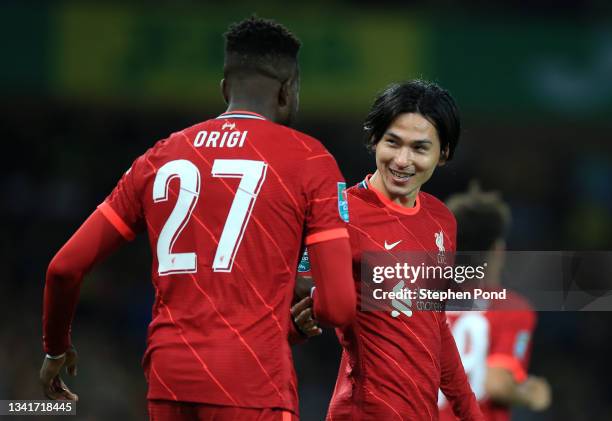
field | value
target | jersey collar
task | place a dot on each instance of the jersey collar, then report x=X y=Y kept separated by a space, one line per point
x=241 y=114
x=388 y=202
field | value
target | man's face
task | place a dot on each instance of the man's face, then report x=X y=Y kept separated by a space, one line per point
x=406 y=156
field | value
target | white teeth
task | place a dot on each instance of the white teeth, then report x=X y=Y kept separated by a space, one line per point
x=399 y=174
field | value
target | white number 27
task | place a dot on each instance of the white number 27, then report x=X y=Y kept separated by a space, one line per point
x=252 y=175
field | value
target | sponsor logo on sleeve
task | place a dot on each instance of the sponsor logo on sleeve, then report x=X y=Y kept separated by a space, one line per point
x=304 y=265
x=521 y=344
x=342 y=202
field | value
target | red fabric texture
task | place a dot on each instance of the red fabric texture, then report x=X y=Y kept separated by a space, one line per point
x=209 y=326
x=90 y=244
x=393 y=364
x=334 y=296
x=185 y=411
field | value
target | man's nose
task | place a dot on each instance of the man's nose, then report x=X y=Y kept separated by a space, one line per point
x=403 y=158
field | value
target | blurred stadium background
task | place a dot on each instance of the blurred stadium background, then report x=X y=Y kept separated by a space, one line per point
x=88 y=86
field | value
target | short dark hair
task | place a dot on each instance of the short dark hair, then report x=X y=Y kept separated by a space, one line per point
x=482 y=218
x=416 y=96
x=260 y=45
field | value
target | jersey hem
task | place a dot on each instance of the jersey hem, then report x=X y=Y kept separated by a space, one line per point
x=203 y=402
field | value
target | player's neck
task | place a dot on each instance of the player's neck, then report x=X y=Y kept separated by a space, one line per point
x=254 y=107
x=378 y=184
x=495 y=264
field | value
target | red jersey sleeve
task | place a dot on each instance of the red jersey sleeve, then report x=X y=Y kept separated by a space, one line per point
x=123 y=207
x=326 y=203
x=511 y=344
x=91 y=243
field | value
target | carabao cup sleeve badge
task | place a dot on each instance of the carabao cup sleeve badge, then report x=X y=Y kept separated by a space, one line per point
x=342 y=202
x=304 y=265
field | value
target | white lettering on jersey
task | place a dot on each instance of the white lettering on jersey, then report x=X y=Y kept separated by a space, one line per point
x=215 y=139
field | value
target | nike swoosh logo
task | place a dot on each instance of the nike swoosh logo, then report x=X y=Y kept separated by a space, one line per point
x=390 y=246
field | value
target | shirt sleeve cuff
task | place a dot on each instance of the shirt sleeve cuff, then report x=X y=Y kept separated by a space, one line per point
x=116 y=221
x=326 y=236
x=510 y=363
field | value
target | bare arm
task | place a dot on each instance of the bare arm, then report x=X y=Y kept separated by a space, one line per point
x=91 y=243
x=502 y=388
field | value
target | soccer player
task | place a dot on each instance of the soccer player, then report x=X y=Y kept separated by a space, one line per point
x=227 y=205
x=494 y=344
x=394 y=362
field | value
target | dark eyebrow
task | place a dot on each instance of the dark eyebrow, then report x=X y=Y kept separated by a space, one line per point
x=418 y=142
x=393 y=135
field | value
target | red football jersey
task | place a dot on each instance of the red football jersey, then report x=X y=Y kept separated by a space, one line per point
x=498 y=337
x=394 y=362
x=227 y=205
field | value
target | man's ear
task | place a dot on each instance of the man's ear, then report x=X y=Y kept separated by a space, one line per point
x=283 y=93
x=372 y=146
x=224 y=89
x=443 y=156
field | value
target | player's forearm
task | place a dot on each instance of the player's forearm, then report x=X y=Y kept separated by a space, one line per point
x=334 y=297
x=502 y=388
x=92 y=242
x=512 y=396
x=59 y=304
x=303 y=286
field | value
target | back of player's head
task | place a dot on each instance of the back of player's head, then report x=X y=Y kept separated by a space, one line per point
x=482 y=218
x=260 y=46
x=416 y=96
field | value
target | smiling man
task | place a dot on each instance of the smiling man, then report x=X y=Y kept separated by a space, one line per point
x=406 y=158
x=394 y=361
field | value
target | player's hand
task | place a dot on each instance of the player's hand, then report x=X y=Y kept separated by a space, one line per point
x=539 y=392
x=50 y=380
x=302 y=317
x=303 y=285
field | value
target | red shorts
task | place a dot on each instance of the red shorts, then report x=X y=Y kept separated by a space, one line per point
x=160 y=410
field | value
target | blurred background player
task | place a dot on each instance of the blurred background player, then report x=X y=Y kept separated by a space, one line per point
x=226 y=214
x=394 y=361
x=494 y=344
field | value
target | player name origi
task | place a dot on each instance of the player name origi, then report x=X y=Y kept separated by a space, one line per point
x=214 y=139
